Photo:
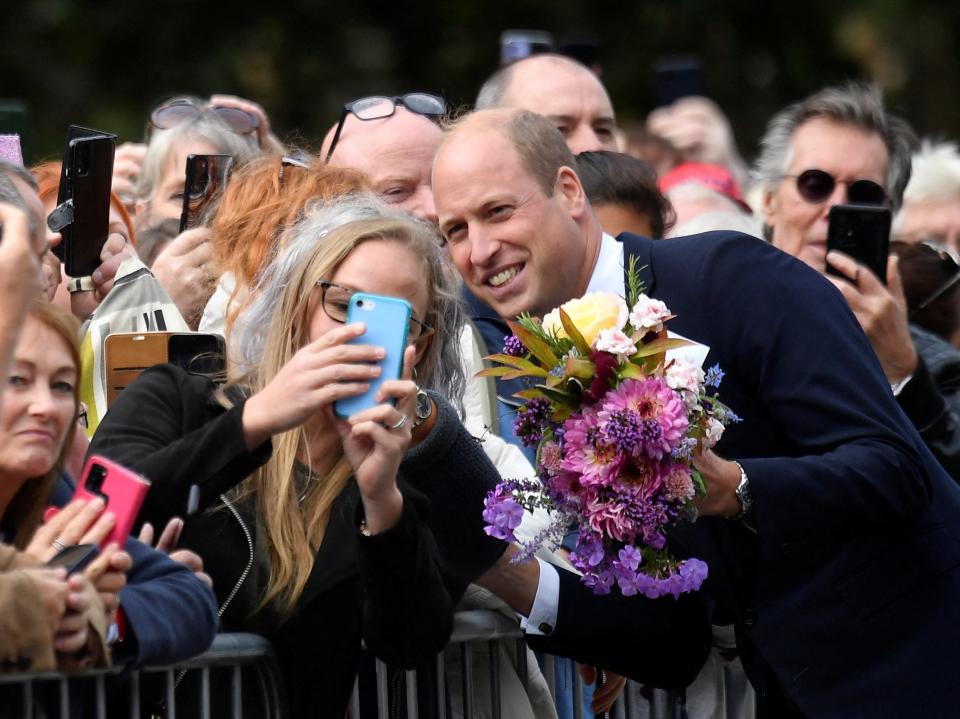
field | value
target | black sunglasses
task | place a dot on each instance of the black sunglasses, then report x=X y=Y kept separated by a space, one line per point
x=377 y=107
x=335 y=300
x=817 y=185
x=953 y=266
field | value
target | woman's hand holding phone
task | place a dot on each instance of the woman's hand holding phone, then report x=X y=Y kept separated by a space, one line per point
x=80 y=522
x=374 y=442
x=318 y=375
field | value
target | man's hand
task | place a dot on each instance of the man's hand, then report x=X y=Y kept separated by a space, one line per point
x=265 y=138
x=881 y=312
x=185 y=269
x=127 y=163
x=168 y=543
x=722 y=477
x=698 y=128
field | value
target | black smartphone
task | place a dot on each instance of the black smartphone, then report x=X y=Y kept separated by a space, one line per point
x=83 y=200
x=74 y=558
x=677 y=76
x=198 y=352
x=863 y=233
x=205 y=177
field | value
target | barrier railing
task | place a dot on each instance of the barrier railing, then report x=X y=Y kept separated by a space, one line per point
x=241 y=667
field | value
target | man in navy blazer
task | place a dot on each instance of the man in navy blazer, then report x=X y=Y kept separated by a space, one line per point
x=831 y=533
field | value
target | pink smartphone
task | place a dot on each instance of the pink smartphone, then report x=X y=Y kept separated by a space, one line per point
x=121 y=489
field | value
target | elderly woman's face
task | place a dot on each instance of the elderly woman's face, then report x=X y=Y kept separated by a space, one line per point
x=38 y=403
x=382 y=267
x=167 y=199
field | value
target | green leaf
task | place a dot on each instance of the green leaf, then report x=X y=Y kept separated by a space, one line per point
x=532 y=393
x=535 y=343
x=518 y=363
x=661 y=345
x=634 y=283
x=558 y=396
x=573 y=333
x=699 y=483
x=579 y=367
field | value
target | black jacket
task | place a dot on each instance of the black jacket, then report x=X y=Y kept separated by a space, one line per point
x=386 y=590
x=931 y=399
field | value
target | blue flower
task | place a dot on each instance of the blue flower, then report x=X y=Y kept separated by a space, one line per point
x=714 y=376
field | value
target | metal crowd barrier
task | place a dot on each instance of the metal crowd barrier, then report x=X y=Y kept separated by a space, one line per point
x=232 y=658
x=474 y=628
x=244 y=663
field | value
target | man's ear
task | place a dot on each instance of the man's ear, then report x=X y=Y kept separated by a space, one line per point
x=568 y=186
x=769 y=206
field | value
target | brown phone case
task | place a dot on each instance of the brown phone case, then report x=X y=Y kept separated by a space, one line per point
x=127 y=354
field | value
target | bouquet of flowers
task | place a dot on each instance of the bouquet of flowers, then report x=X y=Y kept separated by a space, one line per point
x=616 y=425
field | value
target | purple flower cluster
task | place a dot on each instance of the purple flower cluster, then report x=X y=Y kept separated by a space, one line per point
x=502 y=513
x=513 y=346
x=530 y=422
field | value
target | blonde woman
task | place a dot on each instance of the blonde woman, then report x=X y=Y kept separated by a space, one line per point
x=314 y=529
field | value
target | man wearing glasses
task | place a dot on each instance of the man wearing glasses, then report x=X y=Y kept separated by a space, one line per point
x=841 y=146
x=392 y=140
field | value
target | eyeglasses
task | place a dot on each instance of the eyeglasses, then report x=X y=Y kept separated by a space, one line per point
x=953 y=265
x=335 y=300
x=816 y=186
x=377 y=107
x=170 y=114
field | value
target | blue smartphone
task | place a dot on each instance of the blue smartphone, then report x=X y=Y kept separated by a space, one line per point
x=388 y=321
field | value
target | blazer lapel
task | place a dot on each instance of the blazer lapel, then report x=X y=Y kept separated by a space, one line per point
x=642 y=249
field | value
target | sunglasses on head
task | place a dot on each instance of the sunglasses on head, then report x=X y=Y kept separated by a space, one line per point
x=170 y=114
x=378 y=107
x=817 y=185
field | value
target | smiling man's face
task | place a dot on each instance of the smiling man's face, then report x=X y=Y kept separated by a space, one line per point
x=518 y=249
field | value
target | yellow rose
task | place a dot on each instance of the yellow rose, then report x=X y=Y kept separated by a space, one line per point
x=590 y=314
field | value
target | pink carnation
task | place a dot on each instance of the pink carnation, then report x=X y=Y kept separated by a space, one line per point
x=677 y=482
x=682 y=374
x=615 y=342
x=714 y=432
x=550 y=456
x=648 y=314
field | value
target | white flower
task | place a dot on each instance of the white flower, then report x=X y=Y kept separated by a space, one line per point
x=615 y=342
x=683 y=374
x=714 y=432
x=648 y=314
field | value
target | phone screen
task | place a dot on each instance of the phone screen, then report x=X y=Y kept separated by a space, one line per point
x=198 y=352
x=863 y=233
x=205 y=177
x=74 y=558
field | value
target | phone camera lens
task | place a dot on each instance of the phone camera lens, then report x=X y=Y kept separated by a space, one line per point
x=359 y=303
x=96 y=477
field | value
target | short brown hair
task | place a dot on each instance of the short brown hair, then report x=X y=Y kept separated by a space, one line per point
x=539 y=145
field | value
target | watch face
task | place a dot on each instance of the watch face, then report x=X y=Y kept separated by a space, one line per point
x=424 y=406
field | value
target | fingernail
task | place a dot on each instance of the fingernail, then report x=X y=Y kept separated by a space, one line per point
x=98 y=503
x=97 y=277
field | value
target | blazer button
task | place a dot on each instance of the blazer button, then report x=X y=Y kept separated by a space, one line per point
x=749 y=617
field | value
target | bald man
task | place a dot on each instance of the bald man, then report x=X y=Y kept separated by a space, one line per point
x=562 y=90
x=396 y=152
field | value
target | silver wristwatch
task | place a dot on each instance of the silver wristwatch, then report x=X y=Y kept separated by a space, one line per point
x=744 y=496
x=424 y=408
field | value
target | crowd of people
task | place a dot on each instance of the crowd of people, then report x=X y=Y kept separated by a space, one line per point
x=832 y=511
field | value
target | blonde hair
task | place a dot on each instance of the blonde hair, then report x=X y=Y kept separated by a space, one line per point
x=293 y=520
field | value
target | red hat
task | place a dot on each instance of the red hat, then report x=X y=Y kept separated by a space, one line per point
x=713 y=177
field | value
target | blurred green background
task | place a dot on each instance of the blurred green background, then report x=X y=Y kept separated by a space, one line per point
x=105 y=64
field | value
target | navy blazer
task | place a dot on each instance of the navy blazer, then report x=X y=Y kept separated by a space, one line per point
x=847 y=596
